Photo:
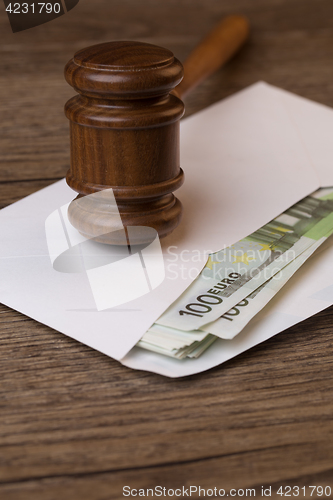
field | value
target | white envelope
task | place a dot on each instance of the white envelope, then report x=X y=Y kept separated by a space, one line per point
x=246 y=160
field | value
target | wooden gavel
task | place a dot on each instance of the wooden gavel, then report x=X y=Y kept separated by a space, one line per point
x=124 y=128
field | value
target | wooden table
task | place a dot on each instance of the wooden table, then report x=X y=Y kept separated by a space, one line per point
x=75 y=424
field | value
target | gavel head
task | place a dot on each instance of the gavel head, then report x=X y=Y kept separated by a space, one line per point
x=124 y=128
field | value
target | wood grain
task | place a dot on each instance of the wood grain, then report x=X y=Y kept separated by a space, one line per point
x=77 y=425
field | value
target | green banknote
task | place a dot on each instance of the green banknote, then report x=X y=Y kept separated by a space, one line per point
x=234 y=320
x=179 y=344
x=234 y=273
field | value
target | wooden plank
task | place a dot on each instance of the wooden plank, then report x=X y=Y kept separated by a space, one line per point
x=228 y=473
x=277 y=394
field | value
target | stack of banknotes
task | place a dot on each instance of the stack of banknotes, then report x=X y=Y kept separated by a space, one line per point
x=238 y=281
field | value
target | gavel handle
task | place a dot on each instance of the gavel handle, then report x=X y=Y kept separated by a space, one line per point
x=215 y=50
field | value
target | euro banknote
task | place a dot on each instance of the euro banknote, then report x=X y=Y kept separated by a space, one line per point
x=235 y=272
x=235 y=320
x=180 y=344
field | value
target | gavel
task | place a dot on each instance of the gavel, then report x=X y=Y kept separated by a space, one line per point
x=124 y=130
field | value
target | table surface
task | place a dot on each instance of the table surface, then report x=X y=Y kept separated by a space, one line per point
x=76 y=424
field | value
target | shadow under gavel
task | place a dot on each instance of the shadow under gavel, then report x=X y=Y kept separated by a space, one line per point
x=124 y=128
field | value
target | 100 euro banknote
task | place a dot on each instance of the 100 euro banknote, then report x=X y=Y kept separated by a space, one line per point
x=179 y=344
x=237 y=271
x=233 y=321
